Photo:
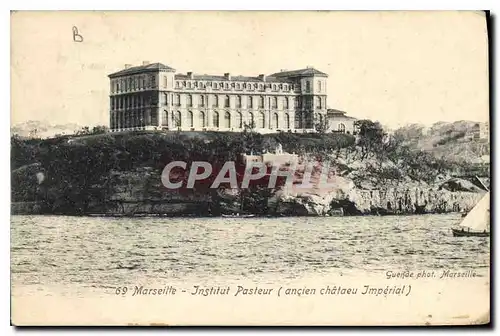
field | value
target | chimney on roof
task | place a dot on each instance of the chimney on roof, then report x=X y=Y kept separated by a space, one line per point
x=227 y=76
x=262 y=77
x=190 y=75
x=145 y=62
x=127 y=66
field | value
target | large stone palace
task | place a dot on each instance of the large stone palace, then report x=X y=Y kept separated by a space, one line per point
x=154 y=97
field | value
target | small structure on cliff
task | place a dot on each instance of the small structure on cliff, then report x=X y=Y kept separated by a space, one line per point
x=277 y=157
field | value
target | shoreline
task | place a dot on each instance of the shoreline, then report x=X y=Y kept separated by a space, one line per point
x=207 y=217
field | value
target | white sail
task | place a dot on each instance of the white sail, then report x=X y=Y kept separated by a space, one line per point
x=478 y=219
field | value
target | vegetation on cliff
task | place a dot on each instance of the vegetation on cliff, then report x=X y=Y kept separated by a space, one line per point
x=78 y=174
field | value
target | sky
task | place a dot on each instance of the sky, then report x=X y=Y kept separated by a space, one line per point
x=393 y=67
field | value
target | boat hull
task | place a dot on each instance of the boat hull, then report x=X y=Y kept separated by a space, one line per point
x=460 y=233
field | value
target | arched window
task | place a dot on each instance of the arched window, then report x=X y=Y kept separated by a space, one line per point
x=262 y=120
x=275 y=102
x=276 y=121
x=176 y=119
x=297 y=102
x=286 y=103
x=238 y=101
x=226 y=101
x=287 y=121
x=190 y=119
x=178 y=99
x=308 y=86
x=216 y=119
x=251 y=120
x=250 y=102
x=341 y=128
x=227 y=120
x=261 y=102
x=215 y=101
x=274 y=87
x=202 y=100
x=189 y=100
x=201 y=119
x=240 y=120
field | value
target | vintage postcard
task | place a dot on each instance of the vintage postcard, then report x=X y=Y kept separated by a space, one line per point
x=250 y=168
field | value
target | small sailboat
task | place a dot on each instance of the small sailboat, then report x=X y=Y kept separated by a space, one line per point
x=477 y=222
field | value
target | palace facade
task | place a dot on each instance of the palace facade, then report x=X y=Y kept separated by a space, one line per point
x=153 y=96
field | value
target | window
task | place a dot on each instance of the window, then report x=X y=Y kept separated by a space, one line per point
x=240 y=120
x=261 y=102
x=135 y=83
x=227 y=120
x=319 y=86
x=250 y=102
x=201 y=100
x=286 y=103
x=165 y=98
x=189 y=100
x=251 y=121
x=297 y=102
x=178 y=99
x=275 y=102
x=320 y=119
x=287 y=121
x=117 y=87
x=276 y=120
x=226 y=101
x=176 y=119
x=237 y=86
x=165 y=81
x=262 y=120
x=164 y=118
x=202 y=119
x=188 y=85
x=274 y=87
x=143 y=82
x=238 y=101
x=341 y=128
x=318 y=102
x=177 y=84
x=215 y=101
x=153 y=80
x=190 y=119
x=308 y=86
x=216 y=119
